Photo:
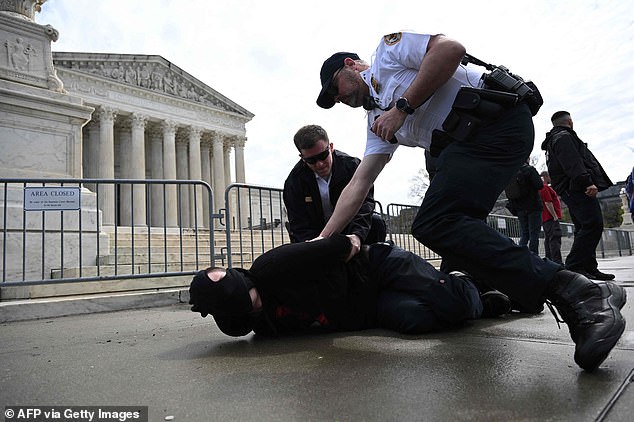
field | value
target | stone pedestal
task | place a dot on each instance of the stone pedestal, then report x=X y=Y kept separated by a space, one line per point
x=40 y=124
x=40 y=137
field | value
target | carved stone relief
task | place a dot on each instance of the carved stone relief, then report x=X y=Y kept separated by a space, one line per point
x=151 y=76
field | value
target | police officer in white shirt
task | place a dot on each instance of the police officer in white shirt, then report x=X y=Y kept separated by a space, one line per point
x=409 y=91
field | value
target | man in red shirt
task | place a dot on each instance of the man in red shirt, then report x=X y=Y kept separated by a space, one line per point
x=551 y=214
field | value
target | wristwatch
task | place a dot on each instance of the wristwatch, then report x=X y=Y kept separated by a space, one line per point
x=403 y=105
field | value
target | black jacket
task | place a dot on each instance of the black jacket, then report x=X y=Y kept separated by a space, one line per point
x=571 y=165
x=309 y=286
x=531 y=201
x=303 y=202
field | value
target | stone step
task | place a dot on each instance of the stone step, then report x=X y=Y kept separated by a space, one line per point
x=175 y=241
x=51 y=307
x=218 y=234
x=55 y=289
x=140 y=268
x=173 y=256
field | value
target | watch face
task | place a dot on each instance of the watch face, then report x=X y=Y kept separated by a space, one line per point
x=402 y=105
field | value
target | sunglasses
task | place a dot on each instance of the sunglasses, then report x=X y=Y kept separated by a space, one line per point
x=317 y=157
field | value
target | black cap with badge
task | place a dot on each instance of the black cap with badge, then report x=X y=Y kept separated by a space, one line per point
x=328 y=70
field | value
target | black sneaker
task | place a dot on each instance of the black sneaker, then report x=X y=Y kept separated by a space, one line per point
x=494 y=304
x=591 y=311
x=537 y=309
x=598 y=275
x=593 y=275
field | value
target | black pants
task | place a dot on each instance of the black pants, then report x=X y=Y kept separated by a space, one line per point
x=588 y=220
x=530 y=225
x=452 y=218
x=552 y=240
x=414 y=297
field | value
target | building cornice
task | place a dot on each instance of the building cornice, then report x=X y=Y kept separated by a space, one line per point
x=147 y=76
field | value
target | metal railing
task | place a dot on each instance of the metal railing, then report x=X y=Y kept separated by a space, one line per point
x=157 y=229
x=256 y=219
x=614 y=242
x=399 y=219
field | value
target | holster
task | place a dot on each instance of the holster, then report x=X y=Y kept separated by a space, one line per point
x=471 y=107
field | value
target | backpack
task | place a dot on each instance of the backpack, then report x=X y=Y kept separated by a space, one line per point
x=518 y=186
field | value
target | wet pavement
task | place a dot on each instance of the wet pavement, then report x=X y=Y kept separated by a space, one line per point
x=515 y=368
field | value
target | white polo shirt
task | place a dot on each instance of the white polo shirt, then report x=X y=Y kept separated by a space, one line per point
x=394 y=67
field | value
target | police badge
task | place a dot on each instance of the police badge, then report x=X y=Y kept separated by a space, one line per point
x=375 y=84
x=392 y=39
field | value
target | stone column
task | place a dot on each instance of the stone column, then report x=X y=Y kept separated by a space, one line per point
x=195 y=173
x=106 y=116
x=90 y=167
x=205 y=165
x=156 y=172
x=226 y=156
x=137 y=170
x=241 y=178
x=123 y=134
x=218 y=173
x=226 y=162
x=239 y=160
x=169 y=172
x=182 y=173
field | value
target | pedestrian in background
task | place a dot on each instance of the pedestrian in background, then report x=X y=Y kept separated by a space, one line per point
x=577 y=176
x=523 y=195
x=551 y=215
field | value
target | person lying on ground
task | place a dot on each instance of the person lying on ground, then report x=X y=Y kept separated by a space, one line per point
x=334 y=284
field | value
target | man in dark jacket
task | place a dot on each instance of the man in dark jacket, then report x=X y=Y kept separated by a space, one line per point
x=577 y=177
x=314 y=185
x=316 y=286
x=527 y=205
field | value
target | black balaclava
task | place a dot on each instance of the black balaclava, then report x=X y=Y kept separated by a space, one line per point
x=227 y=297
x=228 y=300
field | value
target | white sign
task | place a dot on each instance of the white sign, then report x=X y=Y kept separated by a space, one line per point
x=501 y=223
x=51 y=198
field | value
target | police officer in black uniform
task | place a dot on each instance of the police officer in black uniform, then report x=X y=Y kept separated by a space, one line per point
x=422 y=90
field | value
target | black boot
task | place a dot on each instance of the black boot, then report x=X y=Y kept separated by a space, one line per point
x=592 y=313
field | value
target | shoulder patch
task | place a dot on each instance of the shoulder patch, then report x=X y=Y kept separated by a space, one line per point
x=392 y=39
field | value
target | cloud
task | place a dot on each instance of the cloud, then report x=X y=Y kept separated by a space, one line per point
x=266 y=57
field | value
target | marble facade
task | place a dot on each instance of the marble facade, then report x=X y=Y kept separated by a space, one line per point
x=153 y=120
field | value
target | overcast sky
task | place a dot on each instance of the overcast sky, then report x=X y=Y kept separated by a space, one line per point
x=266 y=56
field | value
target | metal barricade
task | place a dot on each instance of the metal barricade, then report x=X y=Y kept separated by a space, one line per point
x=132 y=229
x=255 y=220
x=117 y=229
x=614 y=242
x=399 y=219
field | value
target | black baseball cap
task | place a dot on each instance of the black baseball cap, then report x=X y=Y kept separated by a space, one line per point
x=328 y=69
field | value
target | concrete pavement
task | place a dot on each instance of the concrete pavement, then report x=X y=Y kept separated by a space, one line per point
x=180 y=365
